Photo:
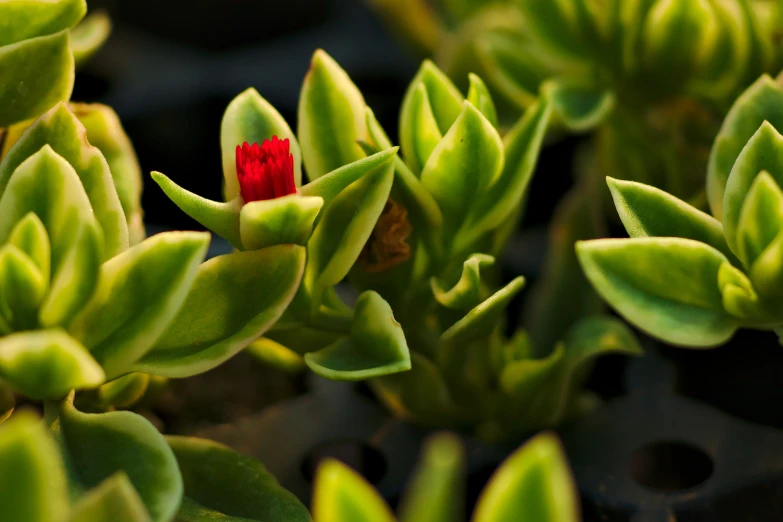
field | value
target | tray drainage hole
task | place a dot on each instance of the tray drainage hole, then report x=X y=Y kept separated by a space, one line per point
x=366 y=459
x=670 y=466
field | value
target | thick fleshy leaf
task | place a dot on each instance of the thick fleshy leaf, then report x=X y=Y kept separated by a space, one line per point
x=434 y=494
x=7 y=401
x=482 y=319
x=31 y=472
x=522 y=145
x=278 y=221
x=29 y=235
x=342 y=495
x=741 y=300
x=228 y=485
x=331 y=117
x=761 y=218
x=767 y=271
x=554 y=25
x=277 y=356
x=764 y=152
x=139 y=293
x=89 y=36
x=47 y=364
x=250 y=118
x=466 y=292
x=125 y=391
x=647 y=211
x=234 y=299
x=479 y=96
x=44 y=66
x=23 y=19
x=431 y=96
x=526 y=379
x=581 y=108
x=65 y=134
x=100 y=445
x=105 y=131
x=114 y=500
x=220 y=218
x=376 y=345
x=668 y=287
x=762 y=101
x=512 y=67
x=534 y=483
x=466 y=162
x=343 y=230
x=23 y=288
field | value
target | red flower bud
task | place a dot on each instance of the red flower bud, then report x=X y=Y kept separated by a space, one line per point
x=266 y=171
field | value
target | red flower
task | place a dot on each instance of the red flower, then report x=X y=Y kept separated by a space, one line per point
x=266 y=171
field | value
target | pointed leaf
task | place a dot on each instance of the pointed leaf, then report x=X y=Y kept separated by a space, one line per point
x=767 y=272
x=114 y=500
x=227 y=484
x=668 y=287
x=44 y=66
x=139 y=294
x=376 y=345
x=331 y=117
x=100 y=445
x=23 y=288
x=534 y=483
x=250 y=118
x=89 y=36
x=423 y=132
x=581 y=108
x=479 y=96
x=740 y=299
x=466 y=292
x=65 y=134
x=29 y=235
x=760 y=219
x=47 y=364
x=434 y=494
x=342 y=495
x=23 y=19
x=482 y=319
x=762 y=101
x=234 y=299
x=650 y=212
x=31 y=472
x=286 y=220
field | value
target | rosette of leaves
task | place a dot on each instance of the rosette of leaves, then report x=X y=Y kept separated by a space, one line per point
x=534 y=483
x=655 y=77
x=40 y=43
x=415 y=238
x=116 y=467
x=692 y=279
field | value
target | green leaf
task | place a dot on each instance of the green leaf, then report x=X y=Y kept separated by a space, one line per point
x=220 y=480
x=761 y=218
x=342 y=495
x=331 y=117
x=100 y=445
x=32 y=474
x=234 y=299
x=581 y=108
x=741 y=300
x=278 y=221
x=44 y=66
x=277 y=356
x=114 y=500
x=23 y=19
x=482 y=319
x=513 y=66
x=767 y=272
x=525 y=381
x=7 y=401
x=105 y=132
x=762 y=101
x=668 y=287
x=344 y=228
x=462 y=168
x=47 y=364
x=466 y=292
x=65 y=134
x=29 y=235
x=376 y=345
x=430 y=90
x=139 y=294
x=125 y=391
x=89 y=36
x=522 y=145
x=555 y=26
x=650 y=212
x=534 y=483
x=435 y=493
x=250 y=118
x=480 y=97
x=23 y=289
x=220 y=218
x=764 y=152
